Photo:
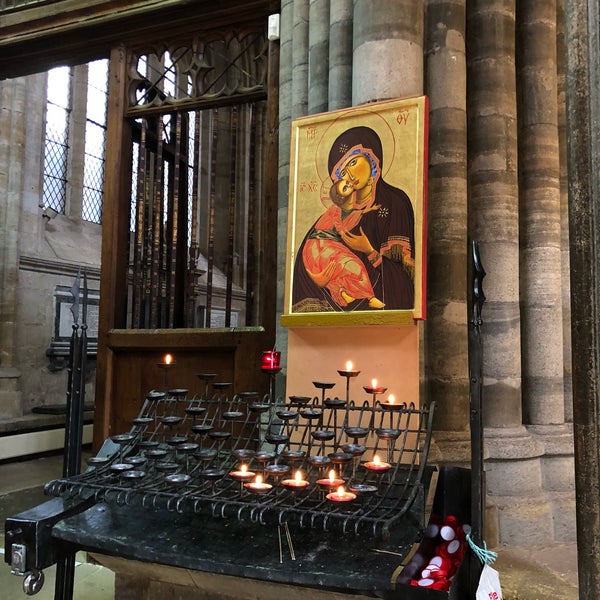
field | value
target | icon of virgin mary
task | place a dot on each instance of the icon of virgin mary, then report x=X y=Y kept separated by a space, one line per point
x=360 y=254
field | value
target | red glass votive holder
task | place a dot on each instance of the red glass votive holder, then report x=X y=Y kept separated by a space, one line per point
x=270 y=361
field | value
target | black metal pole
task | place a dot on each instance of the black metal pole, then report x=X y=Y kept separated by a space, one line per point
x=65 y=575
x=476 y=300
x=476 y=396
x=65 y=566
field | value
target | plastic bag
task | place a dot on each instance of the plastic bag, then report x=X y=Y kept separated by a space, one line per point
x=489 y=585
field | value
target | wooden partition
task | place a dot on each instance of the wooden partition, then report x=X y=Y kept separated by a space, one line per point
x=137 y=367
x=170 y=257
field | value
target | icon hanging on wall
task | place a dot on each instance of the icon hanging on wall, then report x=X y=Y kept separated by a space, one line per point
x=356 y=216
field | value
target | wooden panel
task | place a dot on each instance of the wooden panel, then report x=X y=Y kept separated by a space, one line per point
x=137 y=372
x=134 y=355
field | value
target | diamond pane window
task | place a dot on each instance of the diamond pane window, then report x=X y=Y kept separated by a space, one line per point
x=56 y=147
x=92 y=188
x=95 y=135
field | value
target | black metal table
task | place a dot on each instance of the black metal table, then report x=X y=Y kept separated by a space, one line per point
x=230 y=547
x=325 y=559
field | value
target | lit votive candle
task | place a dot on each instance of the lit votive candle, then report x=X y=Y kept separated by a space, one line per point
x=390 y=403
x=258 y=485
x=243 y=474
x=349 y=371
x=296 y=483
x=168 y=359
x=333 y=481
x=377 y=465
x=374 y=388
x=341 y=495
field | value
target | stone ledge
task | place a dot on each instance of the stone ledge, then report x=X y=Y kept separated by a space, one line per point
x=511 y=444
x=36 y=422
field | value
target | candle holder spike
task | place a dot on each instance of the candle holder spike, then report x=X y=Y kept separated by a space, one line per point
x=348 y=374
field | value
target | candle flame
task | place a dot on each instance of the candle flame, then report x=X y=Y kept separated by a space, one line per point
x=332 y=475
x=298 y=476
x=374 y=383
x=168 y=359
x=243 y=468
x=258 y=479
x=349 y=365
x=340 y=491
x=391 y=399
x=376 y=459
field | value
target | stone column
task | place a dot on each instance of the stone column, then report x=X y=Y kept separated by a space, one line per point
x=340 y=54
x=13 y=121
x=300 y=58
x=446 y=330
x=564 y=209
x=286 y=94
x=318 y=56
x=513 y=457
x=541 y=269
x=388 y=50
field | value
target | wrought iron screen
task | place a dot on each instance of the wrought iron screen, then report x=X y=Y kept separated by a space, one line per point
x=198 y=116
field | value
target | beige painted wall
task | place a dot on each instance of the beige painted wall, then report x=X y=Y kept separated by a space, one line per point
x=388 y=354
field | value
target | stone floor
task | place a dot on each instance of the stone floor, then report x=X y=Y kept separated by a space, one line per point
x=531 y=573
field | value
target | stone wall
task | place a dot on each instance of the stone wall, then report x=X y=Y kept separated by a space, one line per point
x=494 y=76
x=38 y=253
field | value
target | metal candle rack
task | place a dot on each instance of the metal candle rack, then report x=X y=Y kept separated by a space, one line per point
x=238 y=455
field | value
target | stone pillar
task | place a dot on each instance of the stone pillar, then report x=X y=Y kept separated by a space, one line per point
x=340 y=54
x=286 y=26
x=539 y=192
x=13 y=122
x=564 y=208
x=285 y=106
x=513 y=458
x=541 y=269
x=318 y=56
x=300 y=58
x=388 y=50
x=446 y=329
